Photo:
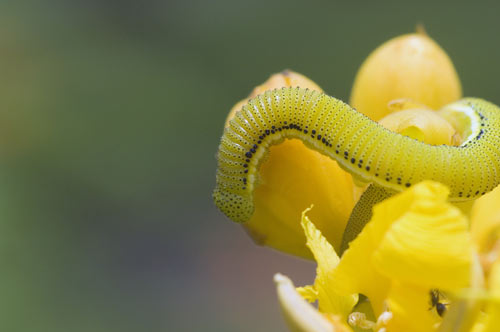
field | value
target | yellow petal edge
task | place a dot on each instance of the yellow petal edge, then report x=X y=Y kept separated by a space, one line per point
x=329 y=301
x=299 y=314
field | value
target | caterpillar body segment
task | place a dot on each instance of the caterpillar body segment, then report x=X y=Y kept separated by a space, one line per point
x=362 y=147
x=362 y=213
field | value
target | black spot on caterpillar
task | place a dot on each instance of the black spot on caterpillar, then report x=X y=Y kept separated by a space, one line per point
x=362 y=147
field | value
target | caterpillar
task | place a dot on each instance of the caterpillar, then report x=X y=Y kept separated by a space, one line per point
x=371 y=153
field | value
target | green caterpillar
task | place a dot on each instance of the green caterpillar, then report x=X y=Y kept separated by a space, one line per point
x=371 y=153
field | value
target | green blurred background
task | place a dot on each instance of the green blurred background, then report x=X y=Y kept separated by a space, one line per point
x=110 y=117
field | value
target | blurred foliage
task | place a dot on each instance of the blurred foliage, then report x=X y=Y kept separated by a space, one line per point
x=110 y=117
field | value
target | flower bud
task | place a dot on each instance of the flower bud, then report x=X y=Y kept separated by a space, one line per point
x=412 y=67
x=419 y=123
x=286 y=78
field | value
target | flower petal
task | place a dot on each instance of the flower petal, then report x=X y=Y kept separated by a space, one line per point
x=328 y=299
x=300 y=315
x=429 y=246
x=308 y=292
x=465 y=313
x=423 y=125
x=356 y=272
x=291 y=179
x=411 y=311
x=485 y=220
x=492 y=319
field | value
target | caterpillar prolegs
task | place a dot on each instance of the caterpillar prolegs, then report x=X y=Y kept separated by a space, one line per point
x=362 y=147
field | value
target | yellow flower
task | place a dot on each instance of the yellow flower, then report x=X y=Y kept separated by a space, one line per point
x=415 y=243
x=421 y=264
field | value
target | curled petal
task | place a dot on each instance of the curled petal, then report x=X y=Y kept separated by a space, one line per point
x=429 y=246
x=325 y=285
x=291 y=179
x=299 y=314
